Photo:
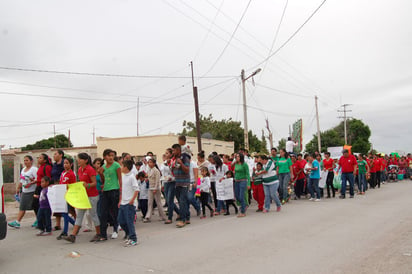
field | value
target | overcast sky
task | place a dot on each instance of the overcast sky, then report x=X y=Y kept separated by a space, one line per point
x=354 y=52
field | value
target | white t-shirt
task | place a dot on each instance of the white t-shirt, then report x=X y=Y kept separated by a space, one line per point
x=205 y=184
x=289 y=146
x=129 y=187
x=167 y=175
x=212 y=171
x=193 y=165
x=250 y=161
x=144 y=190
x=221 y=172
x=25 y=179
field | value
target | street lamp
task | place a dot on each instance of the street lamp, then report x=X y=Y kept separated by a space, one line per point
x=246 y=130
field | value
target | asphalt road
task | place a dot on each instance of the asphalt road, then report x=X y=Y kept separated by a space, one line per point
x=367 y=234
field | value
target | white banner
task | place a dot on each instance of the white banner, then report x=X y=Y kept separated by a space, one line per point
x=323 y=177
x=57 y=201
x=335 y=152
x=224 y=190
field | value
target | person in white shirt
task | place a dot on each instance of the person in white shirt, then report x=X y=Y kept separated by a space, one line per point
x=127 y=210
x=205 y=192
x=290 y=144
x=194 y=174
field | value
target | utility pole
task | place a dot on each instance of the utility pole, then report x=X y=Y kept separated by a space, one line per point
x=270 y=133
x=196 y=99
x=137 y=117
x=68 y=145
x=245 y=126
x=317 y=122
x=54 y=133
x=94 y=136
x=344 y=120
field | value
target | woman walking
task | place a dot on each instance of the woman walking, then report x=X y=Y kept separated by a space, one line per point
x=242 y=182
x=27 y=185
x=87 y=175
x=153 y=175
x=284 y=170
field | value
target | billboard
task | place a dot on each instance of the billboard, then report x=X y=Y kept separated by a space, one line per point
x=297 y=135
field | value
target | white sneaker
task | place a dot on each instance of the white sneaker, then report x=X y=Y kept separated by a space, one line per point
x=311 y=199
x=114 y=235
x=317 y=200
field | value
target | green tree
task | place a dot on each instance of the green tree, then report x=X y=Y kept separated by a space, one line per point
x=61 y=142
x=282 y=144
x=225 y=130
x=358 y=137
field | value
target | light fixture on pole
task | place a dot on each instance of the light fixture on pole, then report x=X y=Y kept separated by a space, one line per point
x=245 y=126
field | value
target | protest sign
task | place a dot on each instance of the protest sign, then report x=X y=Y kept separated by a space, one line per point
x=77 y=197
x=56 y=195
x=323 y=177
x=224 y=189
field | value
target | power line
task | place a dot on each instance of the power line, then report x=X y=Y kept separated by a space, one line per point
x=290 y=37
x=107 y=74
x=230 y=39
x=284 y=91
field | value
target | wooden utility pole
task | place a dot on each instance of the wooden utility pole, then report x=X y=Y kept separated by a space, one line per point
x=317 y=122
x=137 y=117
x=270 y=133
x=344 y=121
x=54 y=133
x=94 y=136
x=68 y=145
x=245 y=126
x=196 y=99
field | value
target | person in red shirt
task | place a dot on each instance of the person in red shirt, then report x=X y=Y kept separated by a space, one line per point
x=303 y=162
x=298 y=175
x=87 y=175
x=378 y=169
x=372 y=170
x=328 y=166
x=45 y=168
x=348 y=164
x=67 y=177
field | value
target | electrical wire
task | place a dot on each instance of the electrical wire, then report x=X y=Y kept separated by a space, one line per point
x=284 y=91
x=230 y=40
x=107 y=74
x=290 y=37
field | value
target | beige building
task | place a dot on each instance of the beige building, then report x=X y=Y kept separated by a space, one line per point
x=140 y=145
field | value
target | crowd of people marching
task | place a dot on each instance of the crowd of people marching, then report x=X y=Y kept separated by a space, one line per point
x=121 y=190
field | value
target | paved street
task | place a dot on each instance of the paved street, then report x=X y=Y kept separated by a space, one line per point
x=368 y=234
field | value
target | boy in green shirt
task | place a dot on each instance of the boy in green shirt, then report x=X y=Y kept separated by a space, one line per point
x=111 y=176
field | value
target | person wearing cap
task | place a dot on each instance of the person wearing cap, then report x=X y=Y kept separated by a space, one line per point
x=348 y=164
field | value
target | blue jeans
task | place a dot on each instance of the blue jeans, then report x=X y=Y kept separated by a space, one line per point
x=181 y=195
x=126 y=220
x=44 y=219
x=220 y=206
x=284 y=179
x=313 y=185
x=271 y=194
x=192 y=199
x=170 y=192
x=362 y=182
x=240 y=189
x=67 y=219
x=347 y=176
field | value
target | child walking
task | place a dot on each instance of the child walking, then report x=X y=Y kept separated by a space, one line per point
x=144 y=192
x=205 y=192
x=67 y=177
x=229 y=175
x=127 y=210
x=44 y=213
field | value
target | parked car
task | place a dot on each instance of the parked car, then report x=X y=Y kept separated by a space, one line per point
x=3 y=220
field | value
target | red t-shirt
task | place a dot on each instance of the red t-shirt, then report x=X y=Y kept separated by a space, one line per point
x=41 y=174
x=85 y=175
x=296 y=167
x=348 y=163
x=372 y=165
x=67 y=177
x=328 y=164
x=378 y=164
